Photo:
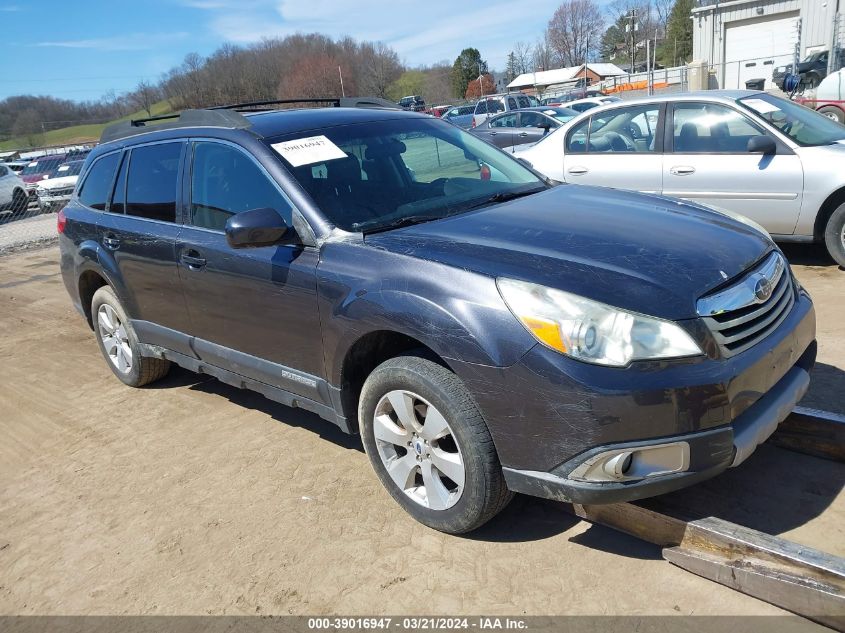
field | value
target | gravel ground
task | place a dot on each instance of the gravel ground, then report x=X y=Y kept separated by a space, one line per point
x=192 y=497
x=31 y=232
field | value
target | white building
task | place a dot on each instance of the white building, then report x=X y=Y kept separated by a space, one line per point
x=545 y=80
x=747 y=39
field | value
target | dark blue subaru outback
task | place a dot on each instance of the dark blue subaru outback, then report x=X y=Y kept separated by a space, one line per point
x=484 y=331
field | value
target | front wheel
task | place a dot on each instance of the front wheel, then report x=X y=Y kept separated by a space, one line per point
x=430 y=446
x=834 y=235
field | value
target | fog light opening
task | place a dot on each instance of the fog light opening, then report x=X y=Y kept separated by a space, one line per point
x=617 y=466
x=638 y=463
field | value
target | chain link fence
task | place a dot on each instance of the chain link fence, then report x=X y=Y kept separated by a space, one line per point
x=34 y=185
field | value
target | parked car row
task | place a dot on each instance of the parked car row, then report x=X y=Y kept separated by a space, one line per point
x=48 y=180
x=745 y=152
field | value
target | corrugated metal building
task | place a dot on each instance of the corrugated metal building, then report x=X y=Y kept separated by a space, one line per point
x=747 y=39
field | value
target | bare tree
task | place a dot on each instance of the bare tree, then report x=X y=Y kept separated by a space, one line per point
x=543 y=55
x=29 y=127
x=522 y=58
x=144 y=96
x=575 y=31
x=379 y=67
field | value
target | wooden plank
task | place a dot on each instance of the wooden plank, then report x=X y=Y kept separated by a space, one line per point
x=798 y=594
x=800 y=579
x=814 y=432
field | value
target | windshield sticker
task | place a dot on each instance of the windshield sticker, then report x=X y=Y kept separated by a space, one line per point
x=307 y=151
x=64 y=168
x=763 y=107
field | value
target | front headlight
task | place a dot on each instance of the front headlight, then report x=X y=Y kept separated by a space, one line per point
x=591 y=331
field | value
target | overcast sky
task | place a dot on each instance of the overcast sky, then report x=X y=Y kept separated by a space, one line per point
x=79 y=49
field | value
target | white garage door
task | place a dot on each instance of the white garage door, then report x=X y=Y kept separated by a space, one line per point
x=753 y=48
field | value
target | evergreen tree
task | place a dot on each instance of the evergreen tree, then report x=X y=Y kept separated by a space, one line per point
x=468 y=66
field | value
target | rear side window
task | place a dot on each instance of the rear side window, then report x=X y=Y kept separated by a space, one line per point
x=3 y=171
x=152 y=181
x=97 y=186
x=224 y=182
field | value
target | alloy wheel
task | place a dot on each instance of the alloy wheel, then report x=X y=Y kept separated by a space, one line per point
x=114 y=337
x=418 y=450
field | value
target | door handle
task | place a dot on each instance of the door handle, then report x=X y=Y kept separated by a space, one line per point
x=578 y=171
x=493 y=133
x=192 y=259
x=523 y=134
x=682 y=170
x=111 y=242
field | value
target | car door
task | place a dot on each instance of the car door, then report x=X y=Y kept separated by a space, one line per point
x=499 y=130
x=618 y=148
x=531 y=127
x=6 y=181
x=252 y=310
x=138 y=234
x=707 y=161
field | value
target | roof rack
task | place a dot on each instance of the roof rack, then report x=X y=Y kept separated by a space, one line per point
x=186 y=118
x=227 y=115
x=337 y=102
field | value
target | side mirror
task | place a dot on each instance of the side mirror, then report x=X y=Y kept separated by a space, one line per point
x=256 y=227
x=762 y=144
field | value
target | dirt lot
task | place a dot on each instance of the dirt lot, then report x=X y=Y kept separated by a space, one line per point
x=192 y=497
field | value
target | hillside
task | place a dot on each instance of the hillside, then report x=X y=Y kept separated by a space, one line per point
x=83 y=133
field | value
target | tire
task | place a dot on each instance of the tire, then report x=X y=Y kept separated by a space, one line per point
x=119 y=343
x=833 y=113
x=431 y=388
x=811 y=81
x=20 y=201
x=834 y=235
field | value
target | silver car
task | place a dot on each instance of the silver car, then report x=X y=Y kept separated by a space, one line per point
x=520 y=127
x=748 y=152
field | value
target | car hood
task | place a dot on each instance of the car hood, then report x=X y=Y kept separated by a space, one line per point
x=58 y=183
x=643 y=253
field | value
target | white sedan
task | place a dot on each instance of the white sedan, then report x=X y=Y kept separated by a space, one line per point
x=746 y=152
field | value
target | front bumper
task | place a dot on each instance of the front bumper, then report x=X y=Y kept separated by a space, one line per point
x=549 y=414
x=49 y=204
x=709 y=453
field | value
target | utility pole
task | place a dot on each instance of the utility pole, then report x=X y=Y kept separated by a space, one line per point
x=631 y=28
x=340 y=72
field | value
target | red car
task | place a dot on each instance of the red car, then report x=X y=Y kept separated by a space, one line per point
x=439 y=110
x=39 y=169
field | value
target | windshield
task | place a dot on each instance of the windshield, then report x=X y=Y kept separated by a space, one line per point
x=370 y=176
x=69 y=169
x=804 y=126
x=564 y=114
x=42 y=166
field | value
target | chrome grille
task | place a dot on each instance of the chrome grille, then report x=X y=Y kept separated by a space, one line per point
x=746 y=312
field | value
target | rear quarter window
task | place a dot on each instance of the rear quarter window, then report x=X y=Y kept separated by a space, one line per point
x=96 y=187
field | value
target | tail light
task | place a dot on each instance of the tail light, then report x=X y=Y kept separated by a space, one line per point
x=61 y=220
x=473 y=121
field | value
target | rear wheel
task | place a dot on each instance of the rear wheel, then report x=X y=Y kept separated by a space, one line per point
x=430 y=446
x=834 y=235
x=833 y=113
x=119 y=343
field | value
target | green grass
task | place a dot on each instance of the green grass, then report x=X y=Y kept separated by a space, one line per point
x=83 y=133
